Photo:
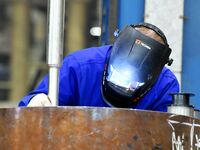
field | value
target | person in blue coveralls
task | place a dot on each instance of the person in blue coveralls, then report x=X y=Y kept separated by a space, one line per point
x=131 y=73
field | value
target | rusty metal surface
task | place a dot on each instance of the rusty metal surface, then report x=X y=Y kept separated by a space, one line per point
x=74 y=128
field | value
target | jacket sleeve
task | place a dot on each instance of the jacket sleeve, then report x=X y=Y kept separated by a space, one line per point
x=164 y=99
x=68 y=84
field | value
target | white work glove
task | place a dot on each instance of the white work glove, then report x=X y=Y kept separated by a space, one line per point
x=40 y=100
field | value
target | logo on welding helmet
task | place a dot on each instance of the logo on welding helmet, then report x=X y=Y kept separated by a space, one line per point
x=139 y=42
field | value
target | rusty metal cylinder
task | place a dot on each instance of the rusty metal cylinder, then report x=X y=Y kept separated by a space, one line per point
x=89 y=128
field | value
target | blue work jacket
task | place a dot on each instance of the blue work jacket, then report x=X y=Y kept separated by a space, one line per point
x=80 y=83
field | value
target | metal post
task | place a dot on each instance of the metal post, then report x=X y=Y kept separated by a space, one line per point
x=56 y=13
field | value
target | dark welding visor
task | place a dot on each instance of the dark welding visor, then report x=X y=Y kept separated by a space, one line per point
x=132 y=67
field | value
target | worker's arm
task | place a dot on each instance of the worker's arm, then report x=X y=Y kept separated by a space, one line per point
x=68 y=86
x=167 y=85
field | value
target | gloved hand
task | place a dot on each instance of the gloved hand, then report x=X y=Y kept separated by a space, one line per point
x=40 y=100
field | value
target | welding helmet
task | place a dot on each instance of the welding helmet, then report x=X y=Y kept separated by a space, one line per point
x=133 y=66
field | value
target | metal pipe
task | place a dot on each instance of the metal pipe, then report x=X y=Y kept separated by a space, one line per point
x=53 y=85
x=56 y=13
x=181 y=110
x=181 y=105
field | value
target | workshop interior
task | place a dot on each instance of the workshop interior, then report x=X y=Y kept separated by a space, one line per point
x=25 y=32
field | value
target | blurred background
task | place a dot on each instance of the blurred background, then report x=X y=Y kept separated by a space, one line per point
x=92 y=23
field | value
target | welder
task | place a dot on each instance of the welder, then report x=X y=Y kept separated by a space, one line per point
x=131 y=73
